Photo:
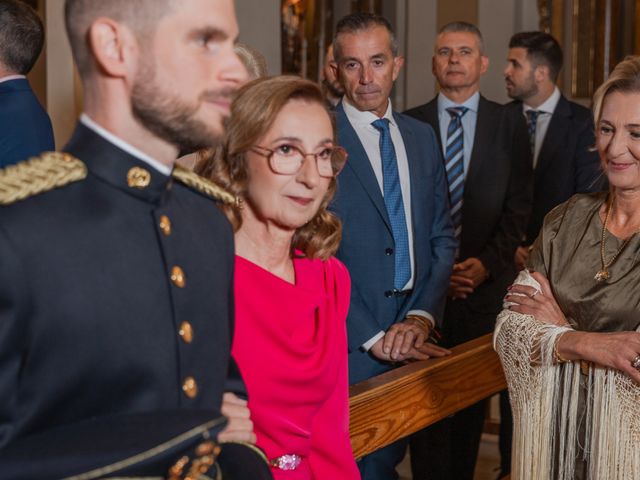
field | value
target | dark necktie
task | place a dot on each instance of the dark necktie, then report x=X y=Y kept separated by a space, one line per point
x=454 y=165
x=394 y=204
x=532 y=122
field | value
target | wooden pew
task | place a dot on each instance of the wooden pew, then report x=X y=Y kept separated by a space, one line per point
x=400 y=402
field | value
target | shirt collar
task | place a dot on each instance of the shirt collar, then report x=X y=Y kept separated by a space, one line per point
x=366 y=118
x=549 y=105
x=11 y=77
x=127 y=147
x=471 y=103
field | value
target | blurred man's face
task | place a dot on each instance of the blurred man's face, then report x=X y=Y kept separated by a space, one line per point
x=329 y=74
x=519 y=75
x=188 y=72
x=458 y=62
x=368 y=68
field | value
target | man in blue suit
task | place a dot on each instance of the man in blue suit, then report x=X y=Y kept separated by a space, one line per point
x=25 y=128
x=398 y=241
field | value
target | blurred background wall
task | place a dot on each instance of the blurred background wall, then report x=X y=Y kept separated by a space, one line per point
x=293 y=35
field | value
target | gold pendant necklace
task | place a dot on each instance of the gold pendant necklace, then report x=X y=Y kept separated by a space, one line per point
x=604 y=274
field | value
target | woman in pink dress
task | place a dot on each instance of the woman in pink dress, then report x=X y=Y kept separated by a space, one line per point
x=292 y=296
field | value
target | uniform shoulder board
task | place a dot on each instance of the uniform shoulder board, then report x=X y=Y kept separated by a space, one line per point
x=38 y=175
x=202 y=185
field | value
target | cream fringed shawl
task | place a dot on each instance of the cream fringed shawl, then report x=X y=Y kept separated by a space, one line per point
x=548 y=408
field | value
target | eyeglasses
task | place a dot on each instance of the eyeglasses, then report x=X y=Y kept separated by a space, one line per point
x=288 y=159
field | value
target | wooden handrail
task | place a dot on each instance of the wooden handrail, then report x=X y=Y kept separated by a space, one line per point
x=402 y=401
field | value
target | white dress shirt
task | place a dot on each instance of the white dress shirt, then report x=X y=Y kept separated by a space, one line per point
x=127 y=147
x=11 y=77
x=469 y=120
x=369 y=137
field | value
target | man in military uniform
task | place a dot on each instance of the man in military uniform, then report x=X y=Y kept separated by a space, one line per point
x=116 y=291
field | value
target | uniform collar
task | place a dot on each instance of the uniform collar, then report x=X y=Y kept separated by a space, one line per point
x=127 y=147
x=116 y=166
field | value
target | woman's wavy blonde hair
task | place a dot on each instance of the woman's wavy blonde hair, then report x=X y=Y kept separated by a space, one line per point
x=625 y=78
x=253 y=112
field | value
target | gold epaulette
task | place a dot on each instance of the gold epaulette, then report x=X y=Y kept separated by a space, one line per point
x=203 y=185
x=39 y=174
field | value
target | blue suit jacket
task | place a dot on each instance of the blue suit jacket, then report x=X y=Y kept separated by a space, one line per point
x=25 y=128
x=367 y=241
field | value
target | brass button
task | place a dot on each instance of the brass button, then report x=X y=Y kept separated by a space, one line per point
x=177 y=277
x=138 y=177
x=186 y=332
x=165 y=225
x=190 y=387
x=208 y=448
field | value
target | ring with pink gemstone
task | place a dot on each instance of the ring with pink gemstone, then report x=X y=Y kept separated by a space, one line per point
x=286 y=462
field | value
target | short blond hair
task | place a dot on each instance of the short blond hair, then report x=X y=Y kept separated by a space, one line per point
x=625 y=78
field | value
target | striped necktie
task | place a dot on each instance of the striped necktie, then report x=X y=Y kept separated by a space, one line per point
x=394 y=204
x=454 y=164
x=532 y=122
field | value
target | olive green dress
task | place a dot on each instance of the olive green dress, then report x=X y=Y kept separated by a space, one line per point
x=568 y=253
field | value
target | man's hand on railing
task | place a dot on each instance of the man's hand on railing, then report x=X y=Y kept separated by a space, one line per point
x=412 y=398
x=406 y=341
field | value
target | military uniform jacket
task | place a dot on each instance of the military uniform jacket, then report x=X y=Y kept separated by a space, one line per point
x=113 y=298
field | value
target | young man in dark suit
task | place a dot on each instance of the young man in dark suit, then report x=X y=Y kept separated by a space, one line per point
x=116 y=270
x=25 y=128
x=397 y=239
x=561 y=132
x=488 y=166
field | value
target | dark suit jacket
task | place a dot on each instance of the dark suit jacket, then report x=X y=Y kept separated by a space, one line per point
x=25 y=128
x=89 y=317
x=565 y=164
x=496 y=202
x=367 y=241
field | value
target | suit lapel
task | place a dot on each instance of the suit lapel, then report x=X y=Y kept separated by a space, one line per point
x=555 y=138
x=431 y=116
x=481 y=140
x=359 y=163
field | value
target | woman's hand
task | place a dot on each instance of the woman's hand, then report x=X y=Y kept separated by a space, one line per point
x=539 y=303
x=615 y=350
x=612 y=349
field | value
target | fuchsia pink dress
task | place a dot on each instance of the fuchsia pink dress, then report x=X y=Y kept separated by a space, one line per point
x=290 y=344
